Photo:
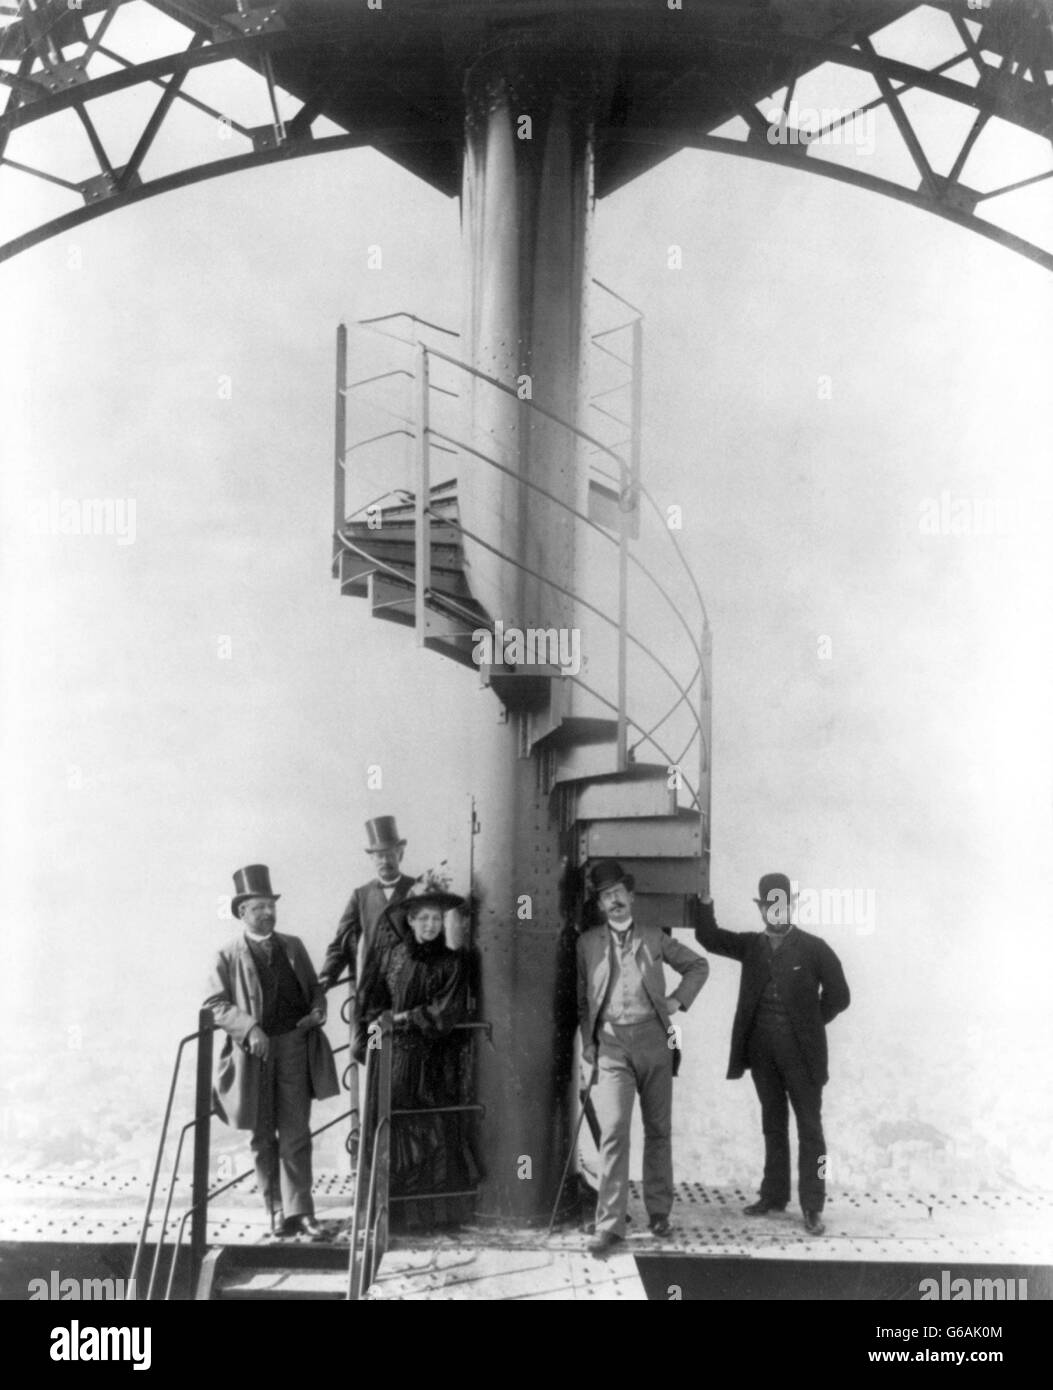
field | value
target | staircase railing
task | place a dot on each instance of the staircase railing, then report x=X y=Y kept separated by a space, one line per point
x=426 y=434
x=201 y=1194
x=371 y=1217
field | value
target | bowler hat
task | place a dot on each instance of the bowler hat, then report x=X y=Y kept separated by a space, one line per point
x=254 y=881
x=383 y=833
x=606 y=873
x=773 y=883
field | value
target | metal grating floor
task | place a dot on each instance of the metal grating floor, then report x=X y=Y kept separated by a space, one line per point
x=986 y=1227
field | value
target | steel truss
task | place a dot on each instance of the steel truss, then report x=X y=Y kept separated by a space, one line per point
x=52 y=61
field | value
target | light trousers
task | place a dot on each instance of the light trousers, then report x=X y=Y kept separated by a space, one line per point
x=634 y=1060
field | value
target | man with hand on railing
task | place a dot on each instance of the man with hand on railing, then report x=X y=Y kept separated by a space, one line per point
x=358 y=924
x=628 y=1040
x=266 y=997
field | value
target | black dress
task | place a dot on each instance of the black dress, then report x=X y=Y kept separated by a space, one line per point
x=429 y=1153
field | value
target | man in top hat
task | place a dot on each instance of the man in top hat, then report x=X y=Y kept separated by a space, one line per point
x=264 y=994
x=357 y=927
x=791 y=987
x=627 y=1038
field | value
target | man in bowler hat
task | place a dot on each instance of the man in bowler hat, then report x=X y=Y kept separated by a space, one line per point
x=357 y=927
x=791 y=987
x=627 y=1038
x=264 y=994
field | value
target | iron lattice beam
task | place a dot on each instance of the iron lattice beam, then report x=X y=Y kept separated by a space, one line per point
x=394 y=81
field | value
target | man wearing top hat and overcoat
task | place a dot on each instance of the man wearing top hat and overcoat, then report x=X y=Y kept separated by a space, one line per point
x=792 y=985
x=357 y=928
x=264 y=994
x=627 y=1038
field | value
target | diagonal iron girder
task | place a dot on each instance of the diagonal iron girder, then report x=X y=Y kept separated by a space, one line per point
x=393 y=79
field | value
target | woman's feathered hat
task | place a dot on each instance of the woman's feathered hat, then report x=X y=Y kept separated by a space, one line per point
x=431 y=889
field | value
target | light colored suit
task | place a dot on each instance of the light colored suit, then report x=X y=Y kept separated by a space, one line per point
x=633 y=1059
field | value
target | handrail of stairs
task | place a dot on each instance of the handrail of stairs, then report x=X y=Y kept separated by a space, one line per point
x=204 y=1032
x=372 y=1218
x=629 y=483
x=580 y=516
x=536 y=574
x=159 y=1243
x=644 y=736
x=625 y=456
x=200 y=1207
x=378 y=1054
x=204 y=1109
x=425 y=352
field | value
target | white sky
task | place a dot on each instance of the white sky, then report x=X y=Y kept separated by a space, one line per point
x=141 y=769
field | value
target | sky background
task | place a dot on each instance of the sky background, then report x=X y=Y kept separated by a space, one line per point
x=203 y=698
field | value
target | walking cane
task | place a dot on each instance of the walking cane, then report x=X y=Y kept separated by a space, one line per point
x=573 y=1146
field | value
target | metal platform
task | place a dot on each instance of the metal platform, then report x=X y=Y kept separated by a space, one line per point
x=911 y=1230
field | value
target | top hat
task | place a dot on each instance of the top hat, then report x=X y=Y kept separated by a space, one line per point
x=773 y=883
x=254 y=881
x=606 y=874
x=383 y=834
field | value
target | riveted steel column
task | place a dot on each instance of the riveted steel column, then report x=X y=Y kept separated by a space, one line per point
x=526 y=203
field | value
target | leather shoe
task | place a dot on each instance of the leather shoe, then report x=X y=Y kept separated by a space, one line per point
x=660 y=1226
x=277 y=1223
x=605 y=1244
x=303 y=1226
x=813 y=1223
x=762 y=1207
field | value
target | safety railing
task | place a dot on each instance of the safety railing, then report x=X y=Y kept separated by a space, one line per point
x=426 y=435
x=201 y=1193
x=373 y=1200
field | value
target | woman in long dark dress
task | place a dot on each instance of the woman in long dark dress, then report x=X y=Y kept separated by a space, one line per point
x=412 y=972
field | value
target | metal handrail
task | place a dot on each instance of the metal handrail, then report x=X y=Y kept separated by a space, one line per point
x=680 y=554
x=535 y=574
x=564 y=424
x=425 y=352
x=202 y=1203
x=670 y=761
x=629 y=486
x=628 y=471
x=190 y=1037
x=197 y=1203
x=358 y=1215
x=581 y=516
x=159 y=1245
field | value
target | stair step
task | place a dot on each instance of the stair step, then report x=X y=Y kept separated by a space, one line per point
x=641 y=791
x=456 y=647
x=402 y=550
x=651 y=837
x=581 y=762
x=521 y=687
x=355 y=569
x=443 y=499
x=448 y=633
x=300 y=1285
x=667 y=910
x=399 y=531
x=399 y=591
x=666 y=875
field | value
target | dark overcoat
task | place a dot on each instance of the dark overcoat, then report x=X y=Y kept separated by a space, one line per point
x=810 y=980
x=357 y=927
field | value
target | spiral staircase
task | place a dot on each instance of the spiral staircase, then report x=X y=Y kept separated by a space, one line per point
x=620 y=799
